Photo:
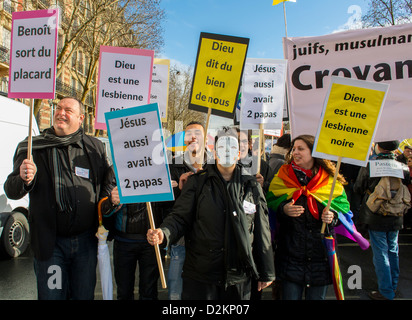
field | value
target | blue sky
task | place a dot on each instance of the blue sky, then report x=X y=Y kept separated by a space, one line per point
x=257 y=20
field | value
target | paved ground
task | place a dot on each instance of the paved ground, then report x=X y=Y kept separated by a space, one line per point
x=17 y=280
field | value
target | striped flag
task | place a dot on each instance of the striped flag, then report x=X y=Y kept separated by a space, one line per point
x=275 y=2
x=285 y=186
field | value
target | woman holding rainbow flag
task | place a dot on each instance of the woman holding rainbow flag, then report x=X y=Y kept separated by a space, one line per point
x=298 y=194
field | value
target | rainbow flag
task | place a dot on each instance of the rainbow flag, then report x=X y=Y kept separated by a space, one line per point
x=275 y=2
x=286 y=186
x=329 y=243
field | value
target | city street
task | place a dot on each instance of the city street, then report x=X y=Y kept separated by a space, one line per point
x=17 y=279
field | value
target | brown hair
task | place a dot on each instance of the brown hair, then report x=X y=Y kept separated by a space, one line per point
x=327 y=165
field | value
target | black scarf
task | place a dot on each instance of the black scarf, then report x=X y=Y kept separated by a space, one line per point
x=56 y=156
x=48 y=139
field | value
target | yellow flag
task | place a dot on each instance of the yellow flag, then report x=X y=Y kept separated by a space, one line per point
x=275 y=2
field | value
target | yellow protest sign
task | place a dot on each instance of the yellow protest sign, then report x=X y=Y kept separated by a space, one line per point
x=218 y=72
x=350 y=116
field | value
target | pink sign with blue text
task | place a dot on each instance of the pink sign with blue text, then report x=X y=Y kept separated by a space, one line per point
x=32 y=72
x=125 y=80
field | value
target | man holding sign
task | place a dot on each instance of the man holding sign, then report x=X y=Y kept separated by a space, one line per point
x=64 y=179
x=128 y=224
x=142 y=177
x=215 y=212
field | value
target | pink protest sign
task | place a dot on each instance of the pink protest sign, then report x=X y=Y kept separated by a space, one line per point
x=125 y=80
x=32 y=72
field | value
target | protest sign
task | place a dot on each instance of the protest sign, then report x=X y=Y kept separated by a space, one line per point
x=218 y=72
x=139 y=159
x=32 y=72
x=125 y=80
x=160 y=86
x=350 y=115
x=386 y=168
x=273 y=133
x=263 y=91
x=375 y=54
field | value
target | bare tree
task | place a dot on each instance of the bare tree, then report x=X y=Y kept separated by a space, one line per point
x=131 y=23
x=180 y=84
x=383 y=13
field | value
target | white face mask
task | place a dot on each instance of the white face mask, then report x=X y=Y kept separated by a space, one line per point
x=227 y=151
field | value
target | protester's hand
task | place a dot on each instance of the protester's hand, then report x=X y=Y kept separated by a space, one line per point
x=262 y=285
x=174 y=183
x=183 y=179
x=293 y=210
x=327 y=216
x=260 y=179
x=155 y=236
x=114 y=196
x=28 y=171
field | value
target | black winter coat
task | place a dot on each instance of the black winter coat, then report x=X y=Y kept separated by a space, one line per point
x=42 y=206
x=300 y=253
x=201 y=215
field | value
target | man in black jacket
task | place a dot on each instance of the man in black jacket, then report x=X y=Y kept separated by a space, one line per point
x=223 y=215
x=63 y=178
x=128 y=224
x=194 y=159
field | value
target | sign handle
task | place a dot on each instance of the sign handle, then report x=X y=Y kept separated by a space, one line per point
x=158 y=257
x=260 y=146
x=30 y=135
x=209 y=111
x=322 y=230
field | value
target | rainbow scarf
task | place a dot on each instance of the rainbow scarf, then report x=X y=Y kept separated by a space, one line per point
x=286 y=186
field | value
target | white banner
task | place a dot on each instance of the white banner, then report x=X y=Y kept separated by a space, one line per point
x=378 y=54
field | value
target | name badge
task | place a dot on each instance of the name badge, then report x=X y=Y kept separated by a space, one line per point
x=249 y=207
x=81 y=172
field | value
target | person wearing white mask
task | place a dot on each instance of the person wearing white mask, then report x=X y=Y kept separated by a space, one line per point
x=223 y=216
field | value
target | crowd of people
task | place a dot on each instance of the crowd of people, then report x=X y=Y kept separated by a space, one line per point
x=238 y=224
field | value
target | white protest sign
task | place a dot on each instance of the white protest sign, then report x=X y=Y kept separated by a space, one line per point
x=263 y=91
x=160 y=86
x=32 y=72
x=273 y=133
x=139 y=159
x=385 y=168
x=125 y=80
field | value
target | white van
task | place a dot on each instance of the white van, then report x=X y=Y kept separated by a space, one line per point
x=14 y=227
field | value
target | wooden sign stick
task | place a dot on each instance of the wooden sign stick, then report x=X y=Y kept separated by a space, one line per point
x=259 y=147
x=209 y=111
x=322 y=230
x=30 y=136
x=158 y=256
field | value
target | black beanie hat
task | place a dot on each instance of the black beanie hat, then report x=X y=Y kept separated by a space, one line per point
x=389 y=145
